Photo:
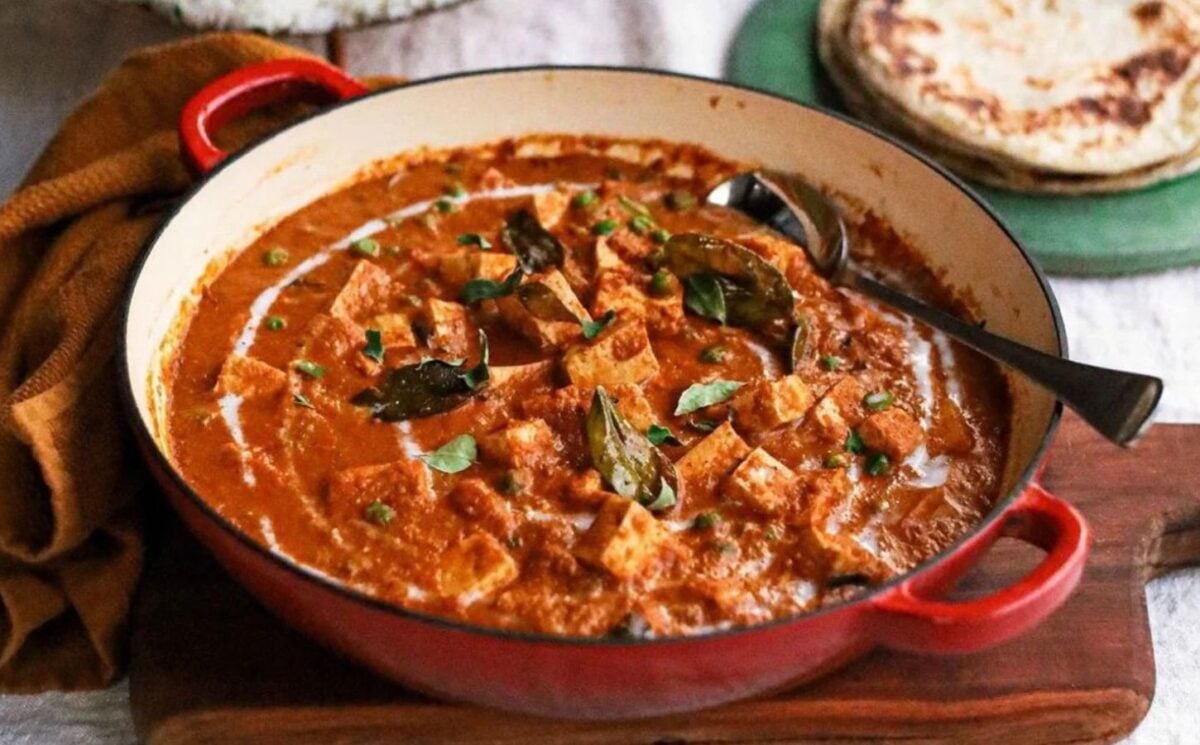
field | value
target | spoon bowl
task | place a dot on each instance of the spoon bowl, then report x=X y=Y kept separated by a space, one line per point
x=1119 y=405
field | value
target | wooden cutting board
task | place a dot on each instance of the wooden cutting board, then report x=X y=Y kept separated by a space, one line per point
x=210 y=666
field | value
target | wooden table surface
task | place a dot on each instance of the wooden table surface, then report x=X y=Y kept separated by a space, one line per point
x=53 y=52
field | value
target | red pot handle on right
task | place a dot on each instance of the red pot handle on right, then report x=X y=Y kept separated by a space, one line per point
x=910 y=619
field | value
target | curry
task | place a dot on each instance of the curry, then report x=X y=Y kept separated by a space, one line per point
x=535 y=386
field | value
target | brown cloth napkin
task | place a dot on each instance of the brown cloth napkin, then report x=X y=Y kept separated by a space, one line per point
x=70 y=538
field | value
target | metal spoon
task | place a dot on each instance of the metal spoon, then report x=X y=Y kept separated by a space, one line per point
x=1118 y=404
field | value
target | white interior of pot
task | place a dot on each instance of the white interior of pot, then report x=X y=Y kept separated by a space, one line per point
x=958 y=239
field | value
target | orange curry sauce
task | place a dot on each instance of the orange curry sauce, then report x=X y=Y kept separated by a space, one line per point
x=798 y=488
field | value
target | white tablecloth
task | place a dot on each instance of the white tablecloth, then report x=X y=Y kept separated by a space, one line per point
x=52 y=52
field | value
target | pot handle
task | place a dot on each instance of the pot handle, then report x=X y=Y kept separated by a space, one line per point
x=911 y=620
x=251 y=87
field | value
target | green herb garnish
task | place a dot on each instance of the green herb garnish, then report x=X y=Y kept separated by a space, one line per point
x=309 y=368
x=489 y=289
x=714 y=355
x=660 y=236
x=453 y=457
x=831 y=362
x=705 y=521
x=705 y=296
x=302 y=401
x=854 y=443
x=878 y=464
x=701 y=395
x=275 y=257
x=584 y=199
x=379 y=513
x=474 y=239
x=276 y=323
x=374 y=346
x=658 y=434
x=456 y=190
x=366 y=247
x=879 y=400
x=445 y=206
x=604 y=227
x=592 y=329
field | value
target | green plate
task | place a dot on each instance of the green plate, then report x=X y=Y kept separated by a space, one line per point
x=1137 y=231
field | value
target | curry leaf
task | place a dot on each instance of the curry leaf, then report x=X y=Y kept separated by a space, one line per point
x=700 y=395
x=424 y=389
x=453 y=457
x=543 y=304
x=755 y=292
x=592 y=329
x=627 y=460
x=801 y=346
x=490 y=289
x=703 y=294
x=535 y=247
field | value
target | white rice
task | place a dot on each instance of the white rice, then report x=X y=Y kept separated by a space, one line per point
x=290 y=16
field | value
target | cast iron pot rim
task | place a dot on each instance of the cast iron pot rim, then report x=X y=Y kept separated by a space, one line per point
x=324 y=582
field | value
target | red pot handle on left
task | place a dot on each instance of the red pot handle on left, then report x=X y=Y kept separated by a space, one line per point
x=246 y=89
x=910 y=618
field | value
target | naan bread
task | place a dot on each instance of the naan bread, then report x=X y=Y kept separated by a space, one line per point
x=1004 y=105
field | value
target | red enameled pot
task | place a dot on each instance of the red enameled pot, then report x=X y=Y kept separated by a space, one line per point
x=601 y=678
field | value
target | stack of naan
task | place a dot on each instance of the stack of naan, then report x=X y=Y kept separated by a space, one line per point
x=1066 y=96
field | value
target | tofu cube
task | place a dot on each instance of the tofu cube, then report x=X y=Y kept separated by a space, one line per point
x=539 y=374
x=395 y=329
x=621 y=354
x=624 y=539
x=633 y=405
x=475 y=568
x=250 y=378
x=710 y=460
x=826 y=493
x=336 y=341
x=622 y=292
x=547 y=334
x=766 y=404
x=762 y=483
x=606 y=256
x=449 y=327
x=463 y=265
x=365 y=291
x=893 y=432
x=394 y=484
x=839 y=409
x=528 y=444
x=550 y=207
